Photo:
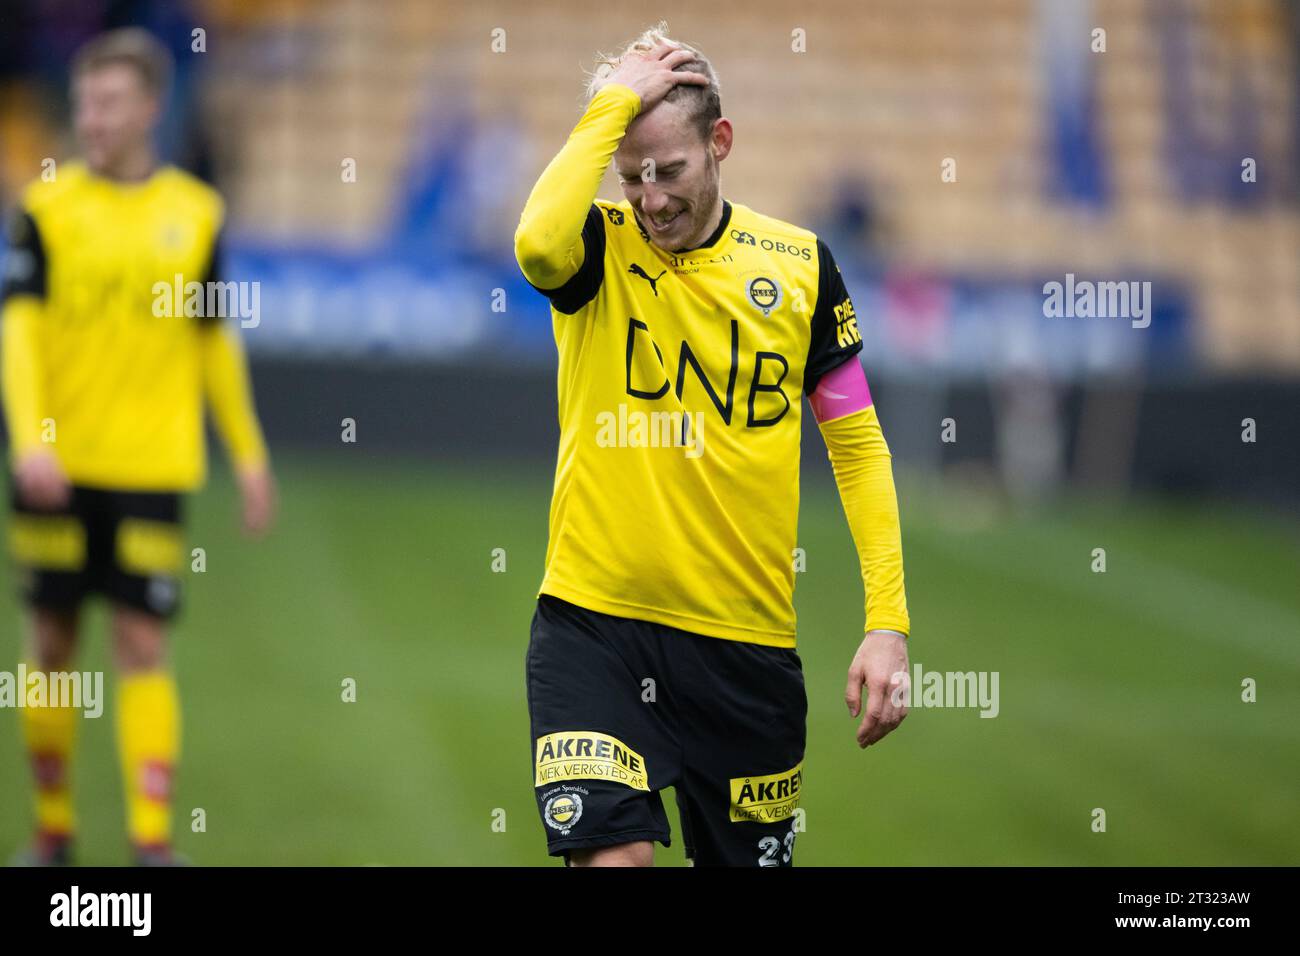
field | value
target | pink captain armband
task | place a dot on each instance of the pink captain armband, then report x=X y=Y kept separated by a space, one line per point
x=841 y=391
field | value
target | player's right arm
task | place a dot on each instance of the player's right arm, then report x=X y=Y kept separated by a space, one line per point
x=39 y=476
x=228 y=391
x=549 y=242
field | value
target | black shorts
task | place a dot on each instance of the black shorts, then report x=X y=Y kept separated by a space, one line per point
x=125 y=545
x=622 y=709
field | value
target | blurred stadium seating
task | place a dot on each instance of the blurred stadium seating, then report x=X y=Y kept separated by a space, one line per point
x=445 y=132
x=1131 y=168
x=375 y=157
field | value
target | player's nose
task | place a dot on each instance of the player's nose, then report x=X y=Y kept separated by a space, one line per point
x=653 y=201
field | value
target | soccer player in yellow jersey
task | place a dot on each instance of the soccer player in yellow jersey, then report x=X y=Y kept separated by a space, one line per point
x=104 y=382
x=662 y=650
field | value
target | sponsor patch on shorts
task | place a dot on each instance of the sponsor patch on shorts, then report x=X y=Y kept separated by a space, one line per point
x=149 y=547
x=588 y=755
x=48 y=542
x=766 y=799
x=562 y=808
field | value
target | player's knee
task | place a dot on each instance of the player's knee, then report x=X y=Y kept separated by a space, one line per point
x=54 y=639
x=139 y=641
x=640 y=853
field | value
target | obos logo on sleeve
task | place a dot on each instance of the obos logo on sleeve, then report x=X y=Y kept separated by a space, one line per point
x=588 y=755
x=766 y=799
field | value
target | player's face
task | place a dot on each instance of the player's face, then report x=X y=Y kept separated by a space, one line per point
x=114 y=115
x=674 y=194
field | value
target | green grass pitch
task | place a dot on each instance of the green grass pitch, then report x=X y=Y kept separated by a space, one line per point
x=1119 y=691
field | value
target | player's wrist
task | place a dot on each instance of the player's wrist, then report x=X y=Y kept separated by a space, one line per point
x=254 y=466
x=29 y=453
x=615 y=90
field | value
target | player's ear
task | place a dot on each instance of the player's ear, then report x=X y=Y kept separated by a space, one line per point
x=720 y=138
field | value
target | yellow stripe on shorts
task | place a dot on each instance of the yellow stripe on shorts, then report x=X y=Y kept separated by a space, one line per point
x=48 y=542
x=148 y=547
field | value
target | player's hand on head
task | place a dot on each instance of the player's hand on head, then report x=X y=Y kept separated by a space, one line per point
x=652 y=74
x=880 y=669
x=41 y=480
x=257 y=494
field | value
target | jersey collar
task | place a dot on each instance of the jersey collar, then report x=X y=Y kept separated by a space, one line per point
x=715 y=236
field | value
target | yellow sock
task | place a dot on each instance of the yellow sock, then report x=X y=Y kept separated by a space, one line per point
x=148 y=738
x=49 y=733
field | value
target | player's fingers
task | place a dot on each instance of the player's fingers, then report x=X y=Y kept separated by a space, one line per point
x=682 y=78
x=868 y=729
x=676 y=58
x=257 y=516
x=895 y=707
x=853 y=691
x=886 y=725
x=662 y=49
x=887 y=722
x=877 y=708
x=878 y=731
x=900 y=691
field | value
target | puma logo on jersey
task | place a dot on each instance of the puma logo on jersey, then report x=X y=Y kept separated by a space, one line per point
x=636 y=270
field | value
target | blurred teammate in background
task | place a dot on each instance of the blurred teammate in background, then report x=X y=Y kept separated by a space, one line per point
x=689 y=328
x=104 y=399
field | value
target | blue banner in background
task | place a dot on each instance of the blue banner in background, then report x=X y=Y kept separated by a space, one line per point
x=317 y=304
x=1076 y=160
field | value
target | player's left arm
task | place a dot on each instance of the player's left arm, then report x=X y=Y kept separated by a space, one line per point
x=38 y=475
x=229 y=394
x=863 y=466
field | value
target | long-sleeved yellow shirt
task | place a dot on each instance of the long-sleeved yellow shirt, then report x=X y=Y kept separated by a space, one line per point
x=101 y=363
x=680 y=381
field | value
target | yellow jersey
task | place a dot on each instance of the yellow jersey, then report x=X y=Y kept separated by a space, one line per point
x=681 y=377
x=115 y=389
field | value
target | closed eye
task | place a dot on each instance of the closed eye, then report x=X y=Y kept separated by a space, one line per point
x=664 y=172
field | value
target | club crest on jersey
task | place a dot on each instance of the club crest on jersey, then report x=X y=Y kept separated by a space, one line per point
x=172 y=236
x=764 y=293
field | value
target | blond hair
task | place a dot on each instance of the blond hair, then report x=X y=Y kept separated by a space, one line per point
x=132 y=46
x=703 y=104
